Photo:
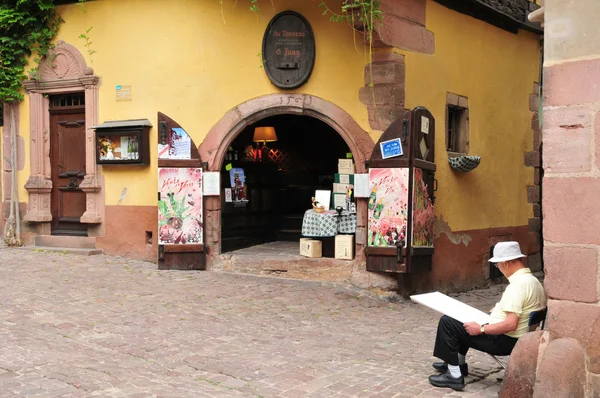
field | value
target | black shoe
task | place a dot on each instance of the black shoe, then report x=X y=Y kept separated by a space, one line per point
x=443 y=367
x=446 y=380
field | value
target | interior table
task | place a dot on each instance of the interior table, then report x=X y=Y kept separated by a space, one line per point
x=328 y=224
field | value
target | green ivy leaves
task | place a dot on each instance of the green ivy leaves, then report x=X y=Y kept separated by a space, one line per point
x=27 y=27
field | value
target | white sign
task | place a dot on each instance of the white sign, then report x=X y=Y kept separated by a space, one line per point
x=324 y=199
x=424 y=125
x=339 y=199
x=228 y=196
x=361 y=186
x=212 y=183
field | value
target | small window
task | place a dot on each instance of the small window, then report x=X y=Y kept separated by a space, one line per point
x=457 y=124
x=76 y=100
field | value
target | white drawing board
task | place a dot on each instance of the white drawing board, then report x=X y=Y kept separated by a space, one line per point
x=453 y=308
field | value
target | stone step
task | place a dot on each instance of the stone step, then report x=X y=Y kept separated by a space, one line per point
x=75 y=242
x=289 y=235
x=64 y=250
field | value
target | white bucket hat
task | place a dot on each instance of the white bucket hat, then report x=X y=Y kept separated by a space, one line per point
x=506 y=251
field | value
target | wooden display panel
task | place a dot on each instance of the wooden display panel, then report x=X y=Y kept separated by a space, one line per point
x=406 y=240
x=181 y=202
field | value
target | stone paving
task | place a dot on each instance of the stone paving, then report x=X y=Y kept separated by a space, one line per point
x=102 y=326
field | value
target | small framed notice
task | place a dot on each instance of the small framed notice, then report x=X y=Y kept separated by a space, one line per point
x=212 y=183
x=391 y=148
x=424 y=125
x=361 y=186
x=123 y=93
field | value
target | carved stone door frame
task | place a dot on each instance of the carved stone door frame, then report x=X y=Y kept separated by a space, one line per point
x=63 y=71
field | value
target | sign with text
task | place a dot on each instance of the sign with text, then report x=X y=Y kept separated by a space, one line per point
x=391 y=148
x=288 y=50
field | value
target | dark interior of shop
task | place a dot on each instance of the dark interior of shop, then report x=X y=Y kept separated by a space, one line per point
x=278 y=187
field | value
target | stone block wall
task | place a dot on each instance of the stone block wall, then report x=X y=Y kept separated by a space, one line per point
x=403 y=26
x=534 y=159
x=570 y=365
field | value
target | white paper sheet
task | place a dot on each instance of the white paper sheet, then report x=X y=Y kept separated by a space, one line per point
x=453 y=308
x=339 y=199
x=324 y=198
x=212 y=186
x=361 y=186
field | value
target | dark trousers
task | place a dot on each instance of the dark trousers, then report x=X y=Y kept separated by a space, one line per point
x=452 y=339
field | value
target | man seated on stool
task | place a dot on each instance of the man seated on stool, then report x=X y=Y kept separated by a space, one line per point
x=509 y=320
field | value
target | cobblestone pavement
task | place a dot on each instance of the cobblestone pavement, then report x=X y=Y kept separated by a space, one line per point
x=105 y=326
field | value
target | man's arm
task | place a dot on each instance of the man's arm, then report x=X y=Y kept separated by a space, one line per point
x=508 y=325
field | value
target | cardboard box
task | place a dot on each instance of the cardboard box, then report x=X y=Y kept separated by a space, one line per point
x=311 y=248
x=345 y=163
x=344 y=247
x=346 y=166
x=346 y=170
x=341 y=188
x=343 y=178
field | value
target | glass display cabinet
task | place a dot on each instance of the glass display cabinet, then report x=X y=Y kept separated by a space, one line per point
x=123 y=142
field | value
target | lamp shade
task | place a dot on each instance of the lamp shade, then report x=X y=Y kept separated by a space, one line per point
x=264 y=134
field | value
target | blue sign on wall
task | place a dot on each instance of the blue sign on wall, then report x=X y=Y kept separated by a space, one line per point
x=391 y=148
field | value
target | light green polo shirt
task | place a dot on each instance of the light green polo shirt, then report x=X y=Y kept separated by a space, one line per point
x=523 y=295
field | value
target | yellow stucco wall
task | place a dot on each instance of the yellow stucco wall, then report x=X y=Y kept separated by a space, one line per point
x=496 y=70
x=182 y=59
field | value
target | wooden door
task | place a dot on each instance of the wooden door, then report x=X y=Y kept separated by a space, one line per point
x=67 y=158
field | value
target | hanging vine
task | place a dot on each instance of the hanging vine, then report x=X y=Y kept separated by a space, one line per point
x=27 y=28
x=363 y=16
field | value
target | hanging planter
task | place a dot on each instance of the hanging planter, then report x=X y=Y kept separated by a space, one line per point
x=464 y=163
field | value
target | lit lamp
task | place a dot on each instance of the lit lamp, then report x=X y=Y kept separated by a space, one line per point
x=264 y=135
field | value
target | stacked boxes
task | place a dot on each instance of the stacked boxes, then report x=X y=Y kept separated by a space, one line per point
x=344 y=180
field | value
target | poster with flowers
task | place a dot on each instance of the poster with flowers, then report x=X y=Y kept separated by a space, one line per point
x=388 y=207
x=423 y=216
x=180 y=206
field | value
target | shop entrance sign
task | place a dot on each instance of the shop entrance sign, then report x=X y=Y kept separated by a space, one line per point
x=288 y=50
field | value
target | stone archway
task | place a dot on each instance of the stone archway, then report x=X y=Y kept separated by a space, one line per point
x=64 y=71
x=213 y=148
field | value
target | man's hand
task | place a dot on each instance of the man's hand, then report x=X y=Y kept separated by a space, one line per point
x=473 y=328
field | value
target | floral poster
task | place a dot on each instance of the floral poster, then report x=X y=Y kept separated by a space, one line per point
x=180 y=206
x=423 y=216
x=388 y=207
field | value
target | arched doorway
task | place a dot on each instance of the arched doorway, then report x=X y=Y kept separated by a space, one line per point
x=214 y=147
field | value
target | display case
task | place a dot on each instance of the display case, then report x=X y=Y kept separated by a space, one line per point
x=123 y=142
x=400 y=234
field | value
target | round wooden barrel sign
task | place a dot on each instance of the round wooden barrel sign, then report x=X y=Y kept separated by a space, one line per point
x=289 y=50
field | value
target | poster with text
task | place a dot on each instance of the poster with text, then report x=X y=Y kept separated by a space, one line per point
x=180 y=206
x=239 y=189
x=388 y=207
x=423 y=217
x=178 y=145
